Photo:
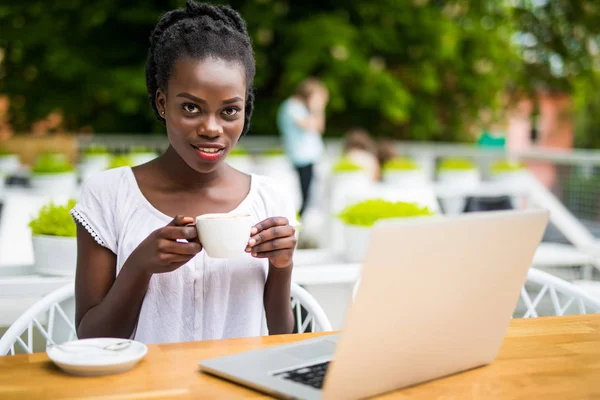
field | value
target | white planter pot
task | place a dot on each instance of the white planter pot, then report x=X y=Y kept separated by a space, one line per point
x=405 y=177
x=461 y=179
x=343 y=182
x=241 y=163
x=345 y=188
x=54 y=255
x=142 y=158
x=356 y=243
x=61 y=183
x=515 y=180
x=9 y=163
x=93 y=164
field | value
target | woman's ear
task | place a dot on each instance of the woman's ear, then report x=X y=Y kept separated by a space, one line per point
x=161 y=102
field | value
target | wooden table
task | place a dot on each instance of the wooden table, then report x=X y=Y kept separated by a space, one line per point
x=541 y=358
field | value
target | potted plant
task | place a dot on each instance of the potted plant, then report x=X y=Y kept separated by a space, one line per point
x=346 y=176
x=9 y=162
x=460 y=173
x=359 y=218
x=403 y=171
x=502 y=168
x=511 y=174
x=95 y=158
x=52 y=173
x=141 y=155
x=53 y=238
x=120 y=161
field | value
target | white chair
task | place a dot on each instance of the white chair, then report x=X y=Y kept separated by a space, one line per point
x=308 y=312
x=52 y=317
x=548 y=292
x=553 y=296
x=56 y=309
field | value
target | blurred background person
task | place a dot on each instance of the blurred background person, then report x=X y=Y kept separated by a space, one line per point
x=301 y=123
x=361 y=149
x=386 y=150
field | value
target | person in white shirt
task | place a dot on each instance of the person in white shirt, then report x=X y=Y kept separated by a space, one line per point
x=301 y=123
x=141 y=271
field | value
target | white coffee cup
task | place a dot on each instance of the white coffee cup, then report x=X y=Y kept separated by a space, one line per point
x=224 y=235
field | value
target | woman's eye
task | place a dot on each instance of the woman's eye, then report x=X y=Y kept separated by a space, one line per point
x=231 y=112
x=190 y=108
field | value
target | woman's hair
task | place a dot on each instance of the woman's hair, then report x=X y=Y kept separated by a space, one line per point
x=199 y=31
x=309 y=86
x=358 y=138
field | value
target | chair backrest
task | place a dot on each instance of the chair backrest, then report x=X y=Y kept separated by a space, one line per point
x=51 y=317
x=308 y=314
x=544 y=294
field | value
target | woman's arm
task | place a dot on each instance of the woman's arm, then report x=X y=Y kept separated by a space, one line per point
x=106 y=306
x=278 y=309
x=109 y=306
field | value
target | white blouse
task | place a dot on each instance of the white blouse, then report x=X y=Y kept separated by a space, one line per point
x=205 y=298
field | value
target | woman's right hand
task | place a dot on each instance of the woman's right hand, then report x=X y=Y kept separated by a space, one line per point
x=162 y=252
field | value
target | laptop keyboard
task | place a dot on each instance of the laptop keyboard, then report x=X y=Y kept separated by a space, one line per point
x=312 y=375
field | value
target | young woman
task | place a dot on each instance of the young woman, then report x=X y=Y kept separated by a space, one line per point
x=141 y=271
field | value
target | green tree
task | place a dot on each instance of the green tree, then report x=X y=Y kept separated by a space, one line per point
x=559 y=42
x=420 y=69
x=83 y=57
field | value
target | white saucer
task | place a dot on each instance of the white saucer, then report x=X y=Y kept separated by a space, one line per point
x=88 y=357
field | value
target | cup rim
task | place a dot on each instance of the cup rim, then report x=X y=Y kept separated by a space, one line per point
x=222 y=216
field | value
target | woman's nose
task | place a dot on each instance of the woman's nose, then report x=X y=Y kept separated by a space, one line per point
x=210 y=127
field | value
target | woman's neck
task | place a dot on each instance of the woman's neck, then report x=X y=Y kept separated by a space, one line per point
x=181 y=176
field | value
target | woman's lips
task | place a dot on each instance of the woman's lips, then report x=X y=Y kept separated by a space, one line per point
x=208 y=153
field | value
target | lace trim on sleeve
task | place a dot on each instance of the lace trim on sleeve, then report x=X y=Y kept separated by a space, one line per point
x=78 y=218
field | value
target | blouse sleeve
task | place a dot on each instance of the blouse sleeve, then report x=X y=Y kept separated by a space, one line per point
x=96 y=208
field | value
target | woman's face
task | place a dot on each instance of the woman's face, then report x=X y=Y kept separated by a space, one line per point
x=204 y=110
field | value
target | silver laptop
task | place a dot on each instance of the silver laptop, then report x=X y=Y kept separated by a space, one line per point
x=435 y=298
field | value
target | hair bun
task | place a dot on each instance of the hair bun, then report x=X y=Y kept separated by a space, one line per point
x=225 y=14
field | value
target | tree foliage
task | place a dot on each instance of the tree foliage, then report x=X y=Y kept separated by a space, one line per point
x=418 y=69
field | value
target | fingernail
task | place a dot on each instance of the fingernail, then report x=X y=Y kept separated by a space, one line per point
x=252 y=242
x=253 y=254
x=248 y=249
x=254 y=230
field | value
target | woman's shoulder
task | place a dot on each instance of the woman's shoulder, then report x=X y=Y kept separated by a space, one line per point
x=107 y=182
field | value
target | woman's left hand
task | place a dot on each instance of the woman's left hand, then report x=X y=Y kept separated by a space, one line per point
x=275 y=239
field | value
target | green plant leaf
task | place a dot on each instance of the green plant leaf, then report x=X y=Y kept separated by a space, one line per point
x=238 y=151
x=503 y=166
x=344 y=164
x=401 y=164
x=367 y=212
x=450 y=164
x=54 y=220
x=120 y=161
x=52 y=163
